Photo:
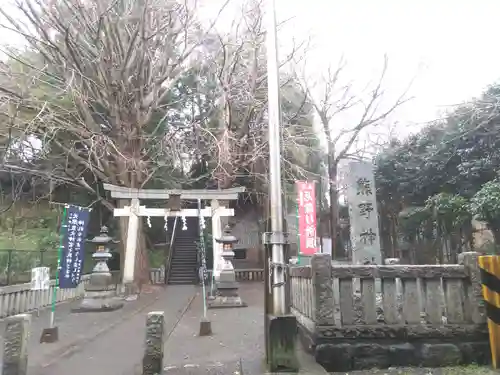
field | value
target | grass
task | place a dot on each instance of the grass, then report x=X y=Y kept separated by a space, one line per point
x=29 y=238
x=455 y=370
x=468 y=370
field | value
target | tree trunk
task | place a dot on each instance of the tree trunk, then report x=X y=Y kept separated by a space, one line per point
x=142 y=274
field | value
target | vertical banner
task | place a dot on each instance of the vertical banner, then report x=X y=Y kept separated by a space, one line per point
x=77 y=220
x=306 y=197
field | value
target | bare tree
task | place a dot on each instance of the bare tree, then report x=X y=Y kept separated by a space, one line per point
x=238 y=68
x=367 y=110
x=95 y=87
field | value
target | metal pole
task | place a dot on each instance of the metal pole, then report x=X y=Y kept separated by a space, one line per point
x=203 y=260
x=277 y=237
x=64 y=226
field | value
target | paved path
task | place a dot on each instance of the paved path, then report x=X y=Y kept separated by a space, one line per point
x=236 y=345
x=112 y=343
x=108 y=343
x=238 y=333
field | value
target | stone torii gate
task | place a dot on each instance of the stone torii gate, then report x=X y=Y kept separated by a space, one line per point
x=218 y=200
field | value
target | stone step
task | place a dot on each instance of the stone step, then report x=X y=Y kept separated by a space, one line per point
x=192 y=282
x=181 y=273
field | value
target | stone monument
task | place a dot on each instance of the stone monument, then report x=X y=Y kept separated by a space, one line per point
x=227 y=288
x=152 y=361
x=15 y=345
x=363 y=215
x=100 y=292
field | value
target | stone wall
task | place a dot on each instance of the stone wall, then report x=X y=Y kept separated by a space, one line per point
x=436 y=318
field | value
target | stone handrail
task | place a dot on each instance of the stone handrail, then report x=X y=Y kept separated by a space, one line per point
x=242 y=275
x=343 y=307
x=19 y=298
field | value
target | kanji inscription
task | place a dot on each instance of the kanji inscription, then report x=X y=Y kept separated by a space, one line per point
x=363 y=213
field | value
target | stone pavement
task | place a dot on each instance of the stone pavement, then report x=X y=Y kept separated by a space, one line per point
x=101 y=343
x=112 y=343
x=236 y=333
x=236 y=345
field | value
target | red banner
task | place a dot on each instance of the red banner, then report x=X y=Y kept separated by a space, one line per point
x=307 y=217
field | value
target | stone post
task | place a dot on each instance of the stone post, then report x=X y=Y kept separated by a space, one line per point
x=391 y=262
x=474 y=302
x=152 y=362
x=321 y=265
x=15 y=347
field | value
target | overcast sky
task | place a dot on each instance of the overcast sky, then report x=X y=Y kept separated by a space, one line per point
x=450 y=46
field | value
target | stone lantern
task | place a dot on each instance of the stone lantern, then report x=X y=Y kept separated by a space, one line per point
x=100 y=292
x=227 y=288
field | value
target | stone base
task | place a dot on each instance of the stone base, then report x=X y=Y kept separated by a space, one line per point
x=281 y=332
x=205 y=328
x=344 y=357
x=49 y=335
x=220 y=301
x=99 y=302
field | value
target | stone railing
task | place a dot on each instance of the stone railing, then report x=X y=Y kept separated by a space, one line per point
x=19 y=298
x=242 y=275
x=429 y=315
x=157 y=275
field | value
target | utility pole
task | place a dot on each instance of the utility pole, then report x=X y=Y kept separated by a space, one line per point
x=281 y=327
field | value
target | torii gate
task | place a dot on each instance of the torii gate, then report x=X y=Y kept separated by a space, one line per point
x=134 y=210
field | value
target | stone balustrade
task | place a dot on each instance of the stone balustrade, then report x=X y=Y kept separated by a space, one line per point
x=249 y=274
x=19 y=298
x=428 y=315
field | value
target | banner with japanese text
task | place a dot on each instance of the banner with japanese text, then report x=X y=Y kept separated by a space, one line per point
x=73 y=244
x=306 y=196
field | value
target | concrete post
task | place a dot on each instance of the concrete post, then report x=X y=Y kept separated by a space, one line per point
x=152 y=362
x=321 y=265
x=475 y=302
x=15 y=348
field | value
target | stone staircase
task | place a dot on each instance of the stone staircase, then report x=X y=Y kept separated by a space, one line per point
x=183 y=268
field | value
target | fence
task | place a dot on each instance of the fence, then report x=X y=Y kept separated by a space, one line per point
x=16 y=265
x=19 y=298
x=242 y=275
x=424 y=315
